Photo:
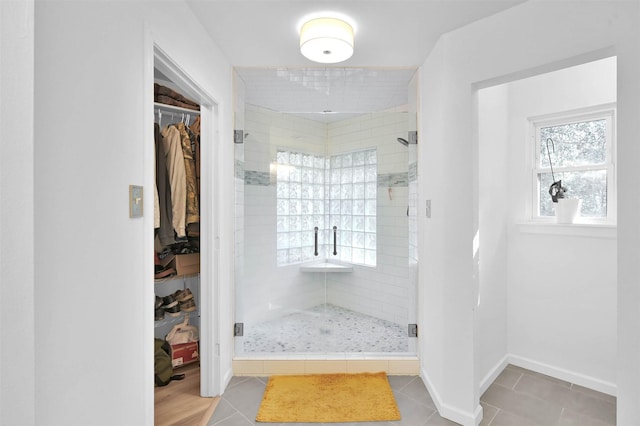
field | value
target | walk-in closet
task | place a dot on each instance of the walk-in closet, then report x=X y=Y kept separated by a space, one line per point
x=177 y=280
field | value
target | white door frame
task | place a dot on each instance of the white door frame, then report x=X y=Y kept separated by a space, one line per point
x=156 y=57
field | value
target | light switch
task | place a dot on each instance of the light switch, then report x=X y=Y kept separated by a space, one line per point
x=135 y=201
x=428 y=208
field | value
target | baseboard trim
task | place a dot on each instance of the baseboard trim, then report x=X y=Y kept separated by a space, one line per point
x=226 y=380
x=450 y=412
x=493 y=374
x=563 y=374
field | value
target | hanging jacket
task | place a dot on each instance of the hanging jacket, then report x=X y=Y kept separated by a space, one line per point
x=177 y=178
x=193 y=208
x=165 y=231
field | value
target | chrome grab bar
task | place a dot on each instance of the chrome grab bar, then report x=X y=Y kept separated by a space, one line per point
x=335 y=230
x=315 y=230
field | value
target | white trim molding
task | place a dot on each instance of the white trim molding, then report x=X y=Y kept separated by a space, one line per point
x=564 y=374
x=549 y=370
x=448 y=411
x=493 y=374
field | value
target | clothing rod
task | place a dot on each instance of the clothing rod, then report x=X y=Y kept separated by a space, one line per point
x=170 y=108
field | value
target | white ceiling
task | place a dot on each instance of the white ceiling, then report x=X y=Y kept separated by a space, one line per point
x=392 y=38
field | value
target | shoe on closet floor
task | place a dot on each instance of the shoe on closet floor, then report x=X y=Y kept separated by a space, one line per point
x=169 y=301
x=159 y=302
x=162 y=270
x=183 y=295
x=163 y=273
x=173 y=311
x=159 y=315
x=188 y=306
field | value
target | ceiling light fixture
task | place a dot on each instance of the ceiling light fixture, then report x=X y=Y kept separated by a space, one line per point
x=326 y=40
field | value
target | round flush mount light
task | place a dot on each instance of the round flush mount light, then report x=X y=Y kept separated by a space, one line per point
x=326 y=40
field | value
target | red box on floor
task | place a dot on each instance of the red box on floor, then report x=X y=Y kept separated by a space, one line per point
x=184 y=353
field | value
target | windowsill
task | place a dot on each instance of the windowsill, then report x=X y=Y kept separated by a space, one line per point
x=576 y=229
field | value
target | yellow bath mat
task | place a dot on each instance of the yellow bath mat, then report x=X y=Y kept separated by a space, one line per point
x=318 y=398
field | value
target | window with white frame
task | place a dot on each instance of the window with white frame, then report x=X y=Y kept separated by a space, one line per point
x=578 y=149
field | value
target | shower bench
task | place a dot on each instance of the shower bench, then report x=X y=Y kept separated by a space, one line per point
x=326 y=267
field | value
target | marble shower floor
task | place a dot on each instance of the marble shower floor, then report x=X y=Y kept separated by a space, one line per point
x=326 y=328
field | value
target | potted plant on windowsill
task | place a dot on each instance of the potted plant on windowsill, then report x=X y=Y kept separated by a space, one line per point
x=567 y=209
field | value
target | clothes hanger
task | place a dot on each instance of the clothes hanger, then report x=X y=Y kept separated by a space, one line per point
x=195 y=127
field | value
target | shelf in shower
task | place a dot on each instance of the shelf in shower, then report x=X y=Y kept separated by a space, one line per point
x=326 y=267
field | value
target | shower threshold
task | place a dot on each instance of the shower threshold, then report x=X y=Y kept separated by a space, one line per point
x=271 y=364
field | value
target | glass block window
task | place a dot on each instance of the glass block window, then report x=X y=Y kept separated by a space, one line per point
x=300 y=198
x=353 y=185
x=315 y=192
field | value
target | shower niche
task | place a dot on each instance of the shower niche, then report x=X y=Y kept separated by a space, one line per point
x=324 y=233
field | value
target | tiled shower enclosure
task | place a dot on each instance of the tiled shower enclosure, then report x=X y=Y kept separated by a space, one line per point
x=294 y=175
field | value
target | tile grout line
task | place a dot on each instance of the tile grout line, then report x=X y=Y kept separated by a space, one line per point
x=432 y=414
x=513 y=388
x=238 y=412
x=217 y=407
x=560 y=416
x=494 y=416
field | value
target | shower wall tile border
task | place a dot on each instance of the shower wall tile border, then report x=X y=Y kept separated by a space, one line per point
x=397 y=366
x=393 y=180
x=252 y=177
x=413 y=172
x=239 y=169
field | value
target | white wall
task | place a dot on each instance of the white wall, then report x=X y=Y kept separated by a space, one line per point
x=511 y=45
x=17 y=346
x=94 y=288
x=562 y=289
x=494 y=202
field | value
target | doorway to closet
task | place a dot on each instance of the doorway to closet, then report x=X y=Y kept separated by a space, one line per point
x=184 y=280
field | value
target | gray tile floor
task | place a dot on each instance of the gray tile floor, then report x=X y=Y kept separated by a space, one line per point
x=522 y=397
x=518 y=397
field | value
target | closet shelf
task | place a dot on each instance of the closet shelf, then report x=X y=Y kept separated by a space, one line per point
x=171 y=108
x=175 y=277
x=168 y=320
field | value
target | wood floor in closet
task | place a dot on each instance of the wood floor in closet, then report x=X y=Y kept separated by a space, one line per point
x=180 y=404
